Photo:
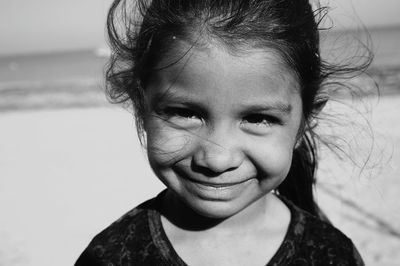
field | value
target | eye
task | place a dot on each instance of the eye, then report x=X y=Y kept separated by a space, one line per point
x=259 y=123
x=260 y=119
x=182 y=117
x=181 y=112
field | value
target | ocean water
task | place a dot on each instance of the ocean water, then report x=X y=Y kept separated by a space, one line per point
x=54 y=80
x=384 y=43
x=82 y=64
x=357 y=47
x=64 y=79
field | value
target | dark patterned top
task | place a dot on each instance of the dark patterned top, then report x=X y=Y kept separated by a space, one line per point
x=138 y=238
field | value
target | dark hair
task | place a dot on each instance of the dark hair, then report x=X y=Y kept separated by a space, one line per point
x=142 y=33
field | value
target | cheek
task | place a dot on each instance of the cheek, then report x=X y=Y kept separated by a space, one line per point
x=166 y=146
x=273 y=158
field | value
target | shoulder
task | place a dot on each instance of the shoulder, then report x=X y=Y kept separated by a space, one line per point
x=124 y=242
x=320 y=243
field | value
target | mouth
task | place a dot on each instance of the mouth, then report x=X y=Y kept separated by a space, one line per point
x=217 y=185
x=217 y=189
x=214 y=183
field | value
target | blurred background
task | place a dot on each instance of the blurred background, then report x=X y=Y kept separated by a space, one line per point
x=70 y=162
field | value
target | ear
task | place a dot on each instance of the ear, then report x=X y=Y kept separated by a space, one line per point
x=143 y=140
x=302 y=129
x=298 y=142
x=319 y=105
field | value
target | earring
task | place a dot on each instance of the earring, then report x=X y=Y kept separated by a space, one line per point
x=298 y=143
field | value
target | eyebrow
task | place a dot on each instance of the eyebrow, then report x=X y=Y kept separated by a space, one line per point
x=277 y=106
x=168 y=96
x=274 y=105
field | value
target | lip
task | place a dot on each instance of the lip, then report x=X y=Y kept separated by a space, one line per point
x=217 y=189
x=217 y=185
x=222 y=188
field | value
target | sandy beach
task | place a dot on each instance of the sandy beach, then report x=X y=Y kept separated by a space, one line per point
x=66 y=174
x=71 y=162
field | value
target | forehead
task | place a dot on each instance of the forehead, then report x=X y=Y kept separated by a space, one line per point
x=214 y=71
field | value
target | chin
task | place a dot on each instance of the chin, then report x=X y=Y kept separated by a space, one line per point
x=215 y=209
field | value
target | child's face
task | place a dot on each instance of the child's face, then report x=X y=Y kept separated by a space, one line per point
x=221 y=129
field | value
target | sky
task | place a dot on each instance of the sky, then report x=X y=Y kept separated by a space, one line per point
x=52 y=25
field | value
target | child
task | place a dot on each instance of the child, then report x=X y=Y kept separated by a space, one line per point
x=226 y=95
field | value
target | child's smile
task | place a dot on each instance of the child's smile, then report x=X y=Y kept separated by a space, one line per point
x=226 y=97
x=221 y=128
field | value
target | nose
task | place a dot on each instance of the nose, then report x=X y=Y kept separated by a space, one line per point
x=218 y=154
